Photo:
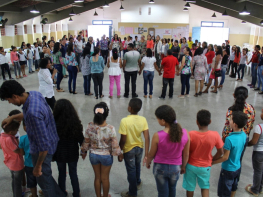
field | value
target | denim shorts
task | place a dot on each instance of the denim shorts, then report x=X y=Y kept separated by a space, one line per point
x=193 y=173
x=105 y=160
x=228 y=182
x=31 y=179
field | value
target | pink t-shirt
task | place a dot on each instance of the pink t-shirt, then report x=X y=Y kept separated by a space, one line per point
x=13 y=56
x=12 y=160
x=170 y=152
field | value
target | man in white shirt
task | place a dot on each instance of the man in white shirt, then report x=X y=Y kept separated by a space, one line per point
x=91 y=45
x=4 y=64
x=36 y=56
x=29 y=55
x=78 y=49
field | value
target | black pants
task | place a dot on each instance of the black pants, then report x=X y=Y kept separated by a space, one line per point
x=234 y=69
x=51 y=102
x=230 y=66
x=5 y=67
x=97 y=80
x=104 y=54
x=167 y=81
x=133 y=76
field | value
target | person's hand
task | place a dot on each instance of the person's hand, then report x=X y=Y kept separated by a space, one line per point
x=7 y=121
x=37 y=171
x=120 y=158
x=140 y=72
x=84 y=156
x=160 y=73
x=148 y=165
x=182 y=170
x=144 y=161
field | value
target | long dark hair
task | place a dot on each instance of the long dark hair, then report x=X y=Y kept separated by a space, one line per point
x=67 y=120
x=241 y=94
x=22 y=45
x=86 y=52
x=70 y=48
x=99 y=118
x=115 y=54
x=212 y=47
x=12 y=48
x=167 y=114
x=56 y=47
x=189 y=50
x=219 y=51
x=199 y=51
x=96 y=51
x=149 y=53
x=238 y=51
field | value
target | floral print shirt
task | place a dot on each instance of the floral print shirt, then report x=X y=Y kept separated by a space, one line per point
x=71 y=59
x=104 y=44
x=187 y=65
x=251 y=113
x=101 y=140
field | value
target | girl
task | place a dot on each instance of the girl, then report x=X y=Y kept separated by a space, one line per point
x=209 y=56
x=149 y=42
x=185 y=71
x=4 y=64
x=231 y=60
x=204 y=46
x=69 y=129
x=101 y=141
x=242 y=64
x=22 y=61
x=86 y=71
x=223 y=68
x=170 y=151
x=125 y=45
x=164 y=49
x=182 y=47
x=15 y=62
x=148 y=65
x=23 y=45
x=236 y=62
x=216 y=67
x=114 y=64
x=142 y=46
x=73 y=68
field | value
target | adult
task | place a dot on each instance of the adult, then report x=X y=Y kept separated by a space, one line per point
x=236 y=63
x=29 y=56
x=50 y=45
x=63 y=51
x=260 y=73
x=44 y=38
x=104 y=49
x=176 y=49
x=23 y=45
x=216 y=68
x=78 y=49
x=209 y=56
x=204 y=46
x=47 y=52
x=116 y=43
x=231 y=59
x=41 y=131
x=46 y=82
x=168 y=66
x=91 y=44
x=130 y=67
x=164 y=48
x=73 y=68
x=86 y=70
x=150 y=43
x=142 y=46
x=97 y=66
x=255 y=60
x=148 y=66
x=52 y=39
x=227 y=47
x=182 y=47
x=125 y=45
x=223 y=68
x=136 y=43
x=71 y=40
x=157 y=51
x=201 y=68
x=185 y=71
x=190 y=42
x=4 y=64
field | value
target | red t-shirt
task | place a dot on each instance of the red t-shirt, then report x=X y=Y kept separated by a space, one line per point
x=169 y=64
x=149 y=44
x=237 y=59
x=255 y=57
x=209 y=56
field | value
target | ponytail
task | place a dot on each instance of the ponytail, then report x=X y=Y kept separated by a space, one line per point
x=241 y=94
x=115 y=53
x=175 y=132
x=101 y=112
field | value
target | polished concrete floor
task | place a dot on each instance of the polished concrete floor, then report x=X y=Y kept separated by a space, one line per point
x=186 y=110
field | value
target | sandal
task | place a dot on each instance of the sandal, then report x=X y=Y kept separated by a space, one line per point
x=248 y=189
x=60 y=90
x=119 y=96
x=200 y=93
x=150 y=96
x=101 y=96
x=145 y=96
x=196 y=95
x=110 y=97
x=205 y=92
x=214 y=92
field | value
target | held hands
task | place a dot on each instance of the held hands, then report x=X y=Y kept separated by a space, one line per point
x=37 y=171
x=140 y=72
x=182 y=170
x=84 y=156
x=120 y=158
x=144 y=161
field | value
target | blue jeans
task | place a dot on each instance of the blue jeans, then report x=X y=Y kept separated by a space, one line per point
x=30 y=63
x=62 y=169
x=36 y=64
x=78 y=55
x=72 y=71
x=105 y=160
x=17 y=177
x=254 y=73
x=86 y=84
x=185 y=79
x=59 y=74
x=166 y=177
x=208 y=75
x=148 y=77
x=223 y=71
x=133 y=166
x=241 y=67
x=46 y=181
x=260 y=77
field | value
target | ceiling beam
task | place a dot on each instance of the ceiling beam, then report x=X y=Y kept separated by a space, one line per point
x=259 y=2
x=46 y=1
x=80 y=5
x=9 y=8
x=6 y=2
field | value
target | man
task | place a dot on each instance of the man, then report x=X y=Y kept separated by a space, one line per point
x=157 y=50
x=104 y=48
x=78 y=49
x=190 y=42
x=37 y=40
x=41 y=131
x=168 y=65
x=136 y=43
x=52 y=38
x=91 y=45
x=228 y=47
x=81 y=34
x=131 y=60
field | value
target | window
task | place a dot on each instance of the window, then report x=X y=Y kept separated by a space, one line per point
x=102 y=22
x=212 y=24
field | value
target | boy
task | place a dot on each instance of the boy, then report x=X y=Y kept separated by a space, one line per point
x=200 y=157
x=29 y=56
x=233 y=148
x=131 y=143
x=36 y=56
x=13 y=158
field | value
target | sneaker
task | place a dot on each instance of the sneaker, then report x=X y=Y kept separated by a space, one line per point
x=170 y=97
x=135 y=96
x=161 y=97
x=126 y=194
x=187 y=95
x=139 y=186
x=125 y=96
x=256 y=89
x=260 y=92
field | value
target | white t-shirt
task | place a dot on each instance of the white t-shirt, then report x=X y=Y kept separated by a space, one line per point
x=149 y=63
x=243 y=59
x=3 y=59
x=79 y=45
x=259 y=145
x=30 y=54
x=37 y=57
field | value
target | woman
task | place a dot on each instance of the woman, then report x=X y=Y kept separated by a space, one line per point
x=69 y=129
x=50 y=45
x=22 y=61
x=176 y=49
x=236 y=62
x=56 y=57
x=15 y=61
x=201 y=68
x=231 y=59
x=46 y=82
x=170 y=151
x=148 y=65
x=182 y=47
x=97 y=66
x=23 y=45
x=142 y=46
x=116 y=43
x=44 y=38
x=216 y=68
x=157 y=51
x=185 y=70
x=101 y=141
x=114 y=64
x=164 y=48
x=204 y=46
x=86 y=71
x=149 y=44
x=210 y=54
x=46 y=52
x=223 y=68
x=243 y=62
x=73 y=69
x=98 y=43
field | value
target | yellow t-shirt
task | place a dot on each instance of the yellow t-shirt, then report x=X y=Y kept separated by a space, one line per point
x=190 y=44
x=132 y=126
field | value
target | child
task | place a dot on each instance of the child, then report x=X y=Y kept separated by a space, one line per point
x=22 y=61
x=257 y=143
x=170 y=151
x=233 y=148
x=131 y=143
x=29 y=55
x=242 y=64
x=31 y=180
x=13 y=156
x=200 y=157
x=224 y=68
x=4 y=64
x=36 y=56
x=101 y=140
x=15 y=61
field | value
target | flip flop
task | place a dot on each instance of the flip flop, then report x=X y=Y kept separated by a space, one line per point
x=248 y=189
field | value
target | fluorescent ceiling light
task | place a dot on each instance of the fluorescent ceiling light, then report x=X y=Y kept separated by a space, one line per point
x=187 y=5
x=72 y=13
x=151 y=1
x=106 y=5
x=243 y=22
x=261 y=22
x=244 y=11
x=185 y=9
x=79 y=1
x=190 y=1
x=34 y=10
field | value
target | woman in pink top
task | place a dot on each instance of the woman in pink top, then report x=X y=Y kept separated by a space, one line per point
x=149 y=42
x=15 y=61
x=170 y=151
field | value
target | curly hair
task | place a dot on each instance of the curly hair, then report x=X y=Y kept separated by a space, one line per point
x=9 y=88
x=100 y=118
x=67 y=120
x=167 y=114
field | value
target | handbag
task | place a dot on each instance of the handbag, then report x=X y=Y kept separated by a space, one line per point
x=218 y=73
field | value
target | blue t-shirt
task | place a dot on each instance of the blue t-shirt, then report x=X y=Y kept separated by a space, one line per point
x=24 y=144
x=235 y=143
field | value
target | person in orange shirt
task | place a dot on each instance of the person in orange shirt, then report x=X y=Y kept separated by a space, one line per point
x=149 y=42
x=236 y=62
